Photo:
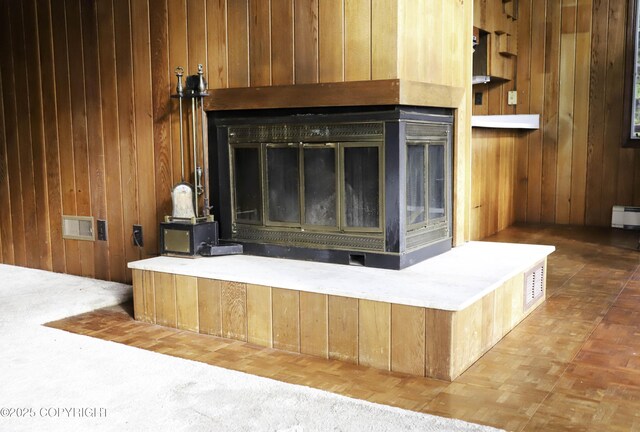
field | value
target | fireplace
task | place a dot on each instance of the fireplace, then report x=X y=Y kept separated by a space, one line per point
x=367 y=186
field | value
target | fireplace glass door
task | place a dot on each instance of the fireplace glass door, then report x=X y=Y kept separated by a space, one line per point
x=426 y=186
x=308 y=186
x=320 y=185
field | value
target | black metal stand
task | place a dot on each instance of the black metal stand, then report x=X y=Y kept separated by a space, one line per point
x=198 y=235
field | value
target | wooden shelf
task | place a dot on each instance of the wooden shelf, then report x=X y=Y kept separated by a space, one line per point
x=353 y=93
x=507 y=44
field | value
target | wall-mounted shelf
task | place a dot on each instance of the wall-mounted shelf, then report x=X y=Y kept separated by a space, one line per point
x=518 y=121
x=510 y=8
x=507 y=44
x=493 y=55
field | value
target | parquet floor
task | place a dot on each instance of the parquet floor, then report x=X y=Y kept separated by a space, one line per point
x=574 y=364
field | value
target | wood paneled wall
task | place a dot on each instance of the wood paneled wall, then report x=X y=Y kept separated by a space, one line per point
x=571 y=71
x=493 y=151
x=493 y=166
x=87 y=127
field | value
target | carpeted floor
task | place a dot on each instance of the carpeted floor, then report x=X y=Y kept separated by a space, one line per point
x=57 y=381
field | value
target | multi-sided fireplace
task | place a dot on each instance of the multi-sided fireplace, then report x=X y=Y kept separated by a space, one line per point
x=369 y=187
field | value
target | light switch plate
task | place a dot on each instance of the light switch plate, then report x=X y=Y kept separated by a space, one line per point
x=512 y=98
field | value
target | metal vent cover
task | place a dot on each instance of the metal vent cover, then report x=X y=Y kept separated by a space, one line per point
x=420 y=131
x=533 y=285
x=77 y=228
x=285 y=133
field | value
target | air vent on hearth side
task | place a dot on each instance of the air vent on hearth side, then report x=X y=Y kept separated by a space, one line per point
x=533 y=285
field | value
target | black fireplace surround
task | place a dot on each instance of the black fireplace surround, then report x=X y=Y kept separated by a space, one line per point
x=365 y=186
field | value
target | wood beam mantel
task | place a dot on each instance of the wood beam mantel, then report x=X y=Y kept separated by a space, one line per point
x=352 y=93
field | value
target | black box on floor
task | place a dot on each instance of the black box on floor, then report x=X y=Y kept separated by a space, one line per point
x=185 y=238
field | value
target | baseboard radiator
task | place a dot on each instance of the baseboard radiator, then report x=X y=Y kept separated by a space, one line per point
x=625 y=217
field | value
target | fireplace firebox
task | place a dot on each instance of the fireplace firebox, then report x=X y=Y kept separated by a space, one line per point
x=367 y=186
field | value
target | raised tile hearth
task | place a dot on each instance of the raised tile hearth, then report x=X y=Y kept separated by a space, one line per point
x=433 y=319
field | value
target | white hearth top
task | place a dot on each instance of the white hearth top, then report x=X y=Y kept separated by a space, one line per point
x=450 y=281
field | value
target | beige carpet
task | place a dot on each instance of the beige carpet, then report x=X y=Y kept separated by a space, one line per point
x=57 y=381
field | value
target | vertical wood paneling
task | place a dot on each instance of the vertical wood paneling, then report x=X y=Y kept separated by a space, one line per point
x=95 y=132
x=343 y=328
x=523 y=84
x=79 y=128
x=234 y=310
x=149 y=294
x=260 y=42
x=493 y=192
x=65 y=138
x=209 y=306
x=314 y=334
x=161 y=87
x=534 y=201
x=581 y=113
x=282 y=44
x=408 y=339
x=438 y=343
x=164 y=285
x=197 y=35
x=614 y=174
x=357 y=40
x=411 y=58
x=217 y=43
x=143 y=111
x=238 y=56
x=374 y=334
x=50 y=120
x=6 y=235
x=110 y=133
x=128 y=160
x=178 y=56
x=187 y=303
x=550 y=118
x=286 y=319
x=41 y=203
x=15 y=132
x=566 y=97
x=306 y=41
x=466 y=326
x=138 y=295
x=95 y=142
x=330 y=40
x=575 y=169
x=597 y=111
x=384 y=49
x=259 y=322
x=25 y=153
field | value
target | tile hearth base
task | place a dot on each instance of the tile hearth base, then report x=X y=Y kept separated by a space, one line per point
x=433 y=319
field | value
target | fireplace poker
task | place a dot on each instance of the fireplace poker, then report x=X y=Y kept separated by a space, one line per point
x=195 y=152
x=180 y=91
x=202 y=88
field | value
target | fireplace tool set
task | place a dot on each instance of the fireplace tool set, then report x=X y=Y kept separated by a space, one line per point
x=191 y=231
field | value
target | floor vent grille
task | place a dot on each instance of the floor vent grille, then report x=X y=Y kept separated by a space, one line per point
x=533 y=285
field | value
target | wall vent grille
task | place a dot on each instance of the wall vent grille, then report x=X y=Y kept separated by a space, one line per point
x=77 y=228
x=533 y=285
